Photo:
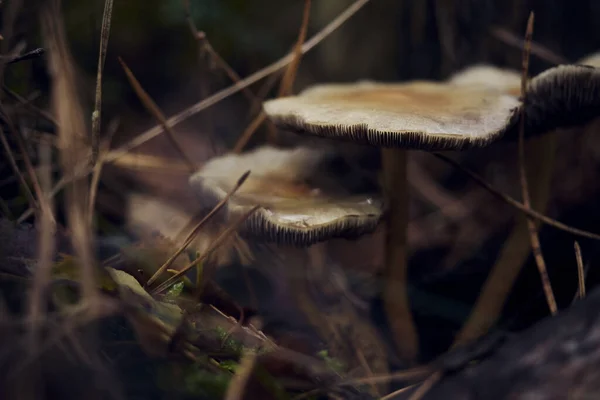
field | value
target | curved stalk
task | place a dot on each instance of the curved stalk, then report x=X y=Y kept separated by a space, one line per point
x=395 y=278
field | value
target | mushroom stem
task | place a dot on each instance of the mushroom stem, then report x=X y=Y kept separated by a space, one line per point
x=395 y=291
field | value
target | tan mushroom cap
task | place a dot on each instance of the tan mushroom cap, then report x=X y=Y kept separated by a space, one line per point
x=292 y=210
x=422 y=115
x=443 y=115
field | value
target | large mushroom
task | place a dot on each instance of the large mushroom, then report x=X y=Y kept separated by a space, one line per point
x=430 y=116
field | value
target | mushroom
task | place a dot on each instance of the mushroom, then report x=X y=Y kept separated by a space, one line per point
x=305 y=198
x=299 y=204
x=426 y=115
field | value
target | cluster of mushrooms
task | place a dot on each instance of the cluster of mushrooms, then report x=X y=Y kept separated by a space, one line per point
x=299 y=206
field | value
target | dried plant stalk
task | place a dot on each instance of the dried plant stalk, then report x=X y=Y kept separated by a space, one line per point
x=580 y=272
x=97 y=114
x=549 y=147
x=72 y=142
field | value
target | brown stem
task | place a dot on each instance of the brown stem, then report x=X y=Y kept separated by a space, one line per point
x=395 y=292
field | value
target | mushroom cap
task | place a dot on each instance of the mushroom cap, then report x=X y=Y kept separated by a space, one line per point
x=437 y=116
x=419 y=115
x=299 y=204
x=561 y=97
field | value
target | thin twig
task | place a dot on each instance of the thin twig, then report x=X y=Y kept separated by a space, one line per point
x=580 y=272
x=426 y=386
x=26 y=160
x=206 y=47
x=197 y=228
x=248 y=132
x=264 y=90
x=79 y=173
x=155 y=111
x=35 y=53
x=97 y=114
x=395 y=393
x=363 y=362
x=95 y=182
x=223 y=94
x=516 y=204
x=27 y=104
x=536 y=49
x=74 y=149
x=409 y=374
x=287 y=81
x=45 y=246
x=213 y=246
x=13 y=163
x=531 y=224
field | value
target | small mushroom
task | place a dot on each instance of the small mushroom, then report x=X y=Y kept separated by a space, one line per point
x=304 y=200
x=299 y=204
x=431 y=116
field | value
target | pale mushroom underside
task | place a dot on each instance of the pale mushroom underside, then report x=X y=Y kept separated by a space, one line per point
x=439 y=115
x=291 y=211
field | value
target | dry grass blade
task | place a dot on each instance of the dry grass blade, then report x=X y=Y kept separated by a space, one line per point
x=287 y=81
x=27 y=104
x=409 y=374
x=30 y=170
x=147 y=161
x=62 y=183
x=35 y=53
x=214 y=245
x=97 y=114
x=263 y=91
x=197 y=228
x=103 y=150
x=580 y=272
x=531 y=224
x=13 y=163
x=397 y=392
x=45 y=247
x=206 y=48
x=155 y=111
x=285 y=88
x=365 y=365
x=248 y=132
x=290 y=73
x=426 y=386
x=536 y=49
x=237 y=385
x=26 y=160
x=223 y=94
x=74 y=150
x=516 y=204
